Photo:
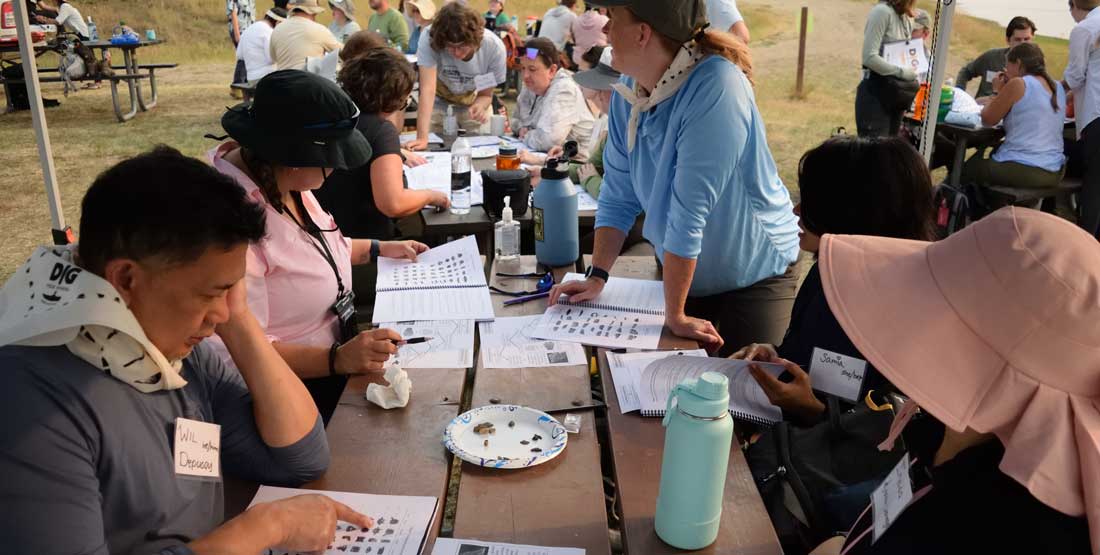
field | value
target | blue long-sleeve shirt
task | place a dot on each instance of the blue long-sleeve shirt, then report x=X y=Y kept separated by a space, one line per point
x=702 y=173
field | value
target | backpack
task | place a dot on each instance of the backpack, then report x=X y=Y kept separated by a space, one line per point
x=815 y=481
x=955 y=208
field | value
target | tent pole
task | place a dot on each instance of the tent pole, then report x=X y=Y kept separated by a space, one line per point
x=61 y=232
x=940 y=55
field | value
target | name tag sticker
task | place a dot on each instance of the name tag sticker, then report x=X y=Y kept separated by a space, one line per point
x=837 y=374
x=485 y=81
x=198 y=449
x=990 y=76
x=891 y=497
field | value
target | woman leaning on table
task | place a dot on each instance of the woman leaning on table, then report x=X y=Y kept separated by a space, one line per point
x=886 y=90
x=298 y=128
x=686 y=145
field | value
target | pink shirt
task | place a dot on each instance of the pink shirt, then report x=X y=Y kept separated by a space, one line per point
x=588 y=32
x=291 y=287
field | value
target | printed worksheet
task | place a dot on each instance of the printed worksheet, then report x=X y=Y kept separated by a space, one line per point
x=747 y=399
x=400 y=522
x=449 y=546
x=510 y=343
x=626 y=373
x=411 y=136
x=445 y=283
x=436 y=176
x=457 y=263
x=451 y=344
x=628 y=314
x=585 y=201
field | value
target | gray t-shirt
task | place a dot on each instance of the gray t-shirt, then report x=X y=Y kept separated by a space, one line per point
x=87 y=462
x=459 y=76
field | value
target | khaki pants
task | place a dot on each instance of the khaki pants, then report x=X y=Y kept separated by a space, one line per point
x=462 y=114
x=759 y=313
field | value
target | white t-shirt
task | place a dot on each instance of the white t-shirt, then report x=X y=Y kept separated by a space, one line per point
x=723 y=14
x=490 y=60
x=255 y=50
x=557 y=25
x=70 y=18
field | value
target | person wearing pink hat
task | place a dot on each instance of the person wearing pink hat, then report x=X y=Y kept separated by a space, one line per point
x=993 y=333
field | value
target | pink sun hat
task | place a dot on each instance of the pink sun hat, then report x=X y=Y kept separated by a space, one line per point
x=997 y=329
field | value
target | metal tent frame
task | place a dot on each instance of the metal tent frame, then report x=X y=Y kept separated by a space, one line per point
x=941 y=40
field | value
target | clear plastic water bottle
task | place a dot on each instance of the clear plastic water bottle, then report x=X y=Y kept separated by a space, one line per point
x=450 y=122
x=461 y=174
x=93 y=31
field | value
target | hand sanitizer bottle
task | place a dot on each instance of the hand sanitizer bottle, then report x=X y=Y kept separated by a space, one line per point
x=506 y=234
x=450 y=123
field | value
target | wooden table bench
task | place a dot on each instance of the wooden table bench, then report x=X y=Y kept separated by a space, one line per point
x=637 y=445
x=558 y=503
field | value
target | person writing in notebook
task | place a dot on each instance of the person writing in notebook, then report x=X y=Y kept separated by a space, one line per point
x=121 y=365
x=686 y=145
x=299 y=277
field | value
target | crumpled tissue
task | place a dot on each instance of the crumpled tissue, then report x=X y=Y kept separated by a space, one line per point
x=395 y=395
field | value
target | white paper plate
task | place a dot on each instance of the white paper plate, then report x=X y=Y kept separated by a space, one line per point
x=481 y=152
x=544 y=436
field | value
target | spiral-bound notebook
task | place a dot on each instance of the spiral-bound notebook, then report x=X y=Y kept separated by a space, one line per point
x=747 y=400
x=445 y=283
x=629 y=313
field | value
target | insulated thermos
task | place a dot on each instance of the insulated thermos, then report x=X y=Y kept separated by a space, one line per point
x=554 y=212
x=698 y=434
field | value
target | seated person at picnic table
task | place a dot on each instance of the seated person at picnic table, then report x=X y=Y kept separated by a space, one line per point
x=343 y=23
x=496 y=15
x=116 y=367
x=687 y=146
x=366 y=200
x=991 y=63
x=992 y=334
x=421 y=13
x=298 y=128
x=852 y=186
x=551 y=109
x=588 y=33
x=255 y=46
x=360 y=43
x=461 y=65
x=390 y=23
x=67 y=18
x=1033 y=107
x=301 y=37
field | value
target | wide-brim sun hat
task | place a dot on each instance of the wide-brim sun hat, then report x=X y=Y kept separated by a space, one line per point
x=995 y=329
x=307 y=6
x=601 y=77
x=300 y=120
x=346 y=6
x=425 y=7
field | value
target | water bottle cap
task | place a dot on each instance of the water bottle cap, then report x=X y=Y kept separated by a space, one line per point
x=705 y=397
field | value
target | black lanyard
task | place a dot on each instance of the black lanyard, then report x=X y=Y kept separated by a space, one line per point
x=317 y=236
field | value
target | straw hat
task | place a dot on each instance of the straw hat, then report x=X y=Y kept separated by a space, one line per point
x=996 y=329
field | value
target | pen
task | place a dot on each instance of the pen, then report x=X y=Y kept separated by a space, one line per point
x=521 y=300
x=414 y=341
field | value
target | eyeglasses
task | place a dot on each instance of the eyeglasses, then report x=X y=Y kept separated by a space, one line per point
x=546 y=282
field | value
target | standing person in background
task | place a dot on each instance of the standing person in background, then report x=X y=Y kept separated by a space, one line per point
x=239 y=14
x=687 y=146
x=588 y=32
x=421 y=12
x=1082 y=76
x=886 y=90
x=389 y=23
x=254 y=51
x=343 y=20
x=557 y=24
x=301 y=37
x=460 y=66
x=496 y=16
x=988 y=65
x=725 y=16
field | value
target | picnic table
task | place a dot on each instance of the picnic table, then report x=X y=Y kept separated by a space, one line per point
x=132 y=74
x=564 y=502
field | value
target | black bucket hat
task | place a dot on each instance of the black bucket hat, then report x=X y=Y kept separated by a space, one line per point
x=300 y=120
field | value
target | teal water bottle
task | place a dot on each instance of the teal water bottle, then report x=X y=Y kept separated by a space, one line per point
x=554 y=211
x=698 y=433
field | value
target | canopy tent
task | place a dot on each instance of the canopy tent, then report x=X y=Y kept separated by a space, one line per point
x=941 y=39
x=62 y=234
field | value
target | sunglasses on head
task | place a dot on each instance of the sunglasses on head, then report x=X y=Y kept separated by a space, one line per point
x=533 y=53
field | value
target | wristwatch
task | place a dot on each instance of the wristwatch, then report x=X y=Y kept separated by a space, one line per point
x=375 y=250
x=598 y=273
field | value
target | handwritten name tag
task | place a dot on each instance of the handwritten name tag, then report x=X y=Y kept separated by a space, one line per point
x=485 y=81
x=891 y=497
x=837 y=374
x=198 y=448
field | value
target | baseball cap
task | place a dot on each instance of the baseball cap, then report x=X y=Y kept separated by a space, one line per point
x=678 y=20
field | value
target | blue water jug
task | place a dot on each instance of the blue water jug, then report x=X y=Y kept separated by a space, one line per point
x=698 y=434
x=554 y=212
